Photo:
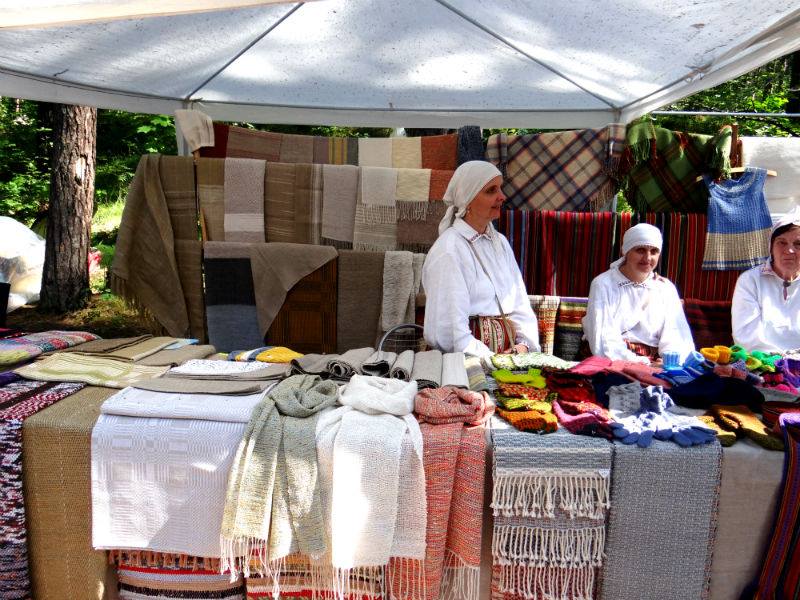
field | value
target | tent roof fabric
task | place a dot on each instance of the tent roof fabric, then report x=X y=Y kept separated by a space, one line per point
x=419 y=63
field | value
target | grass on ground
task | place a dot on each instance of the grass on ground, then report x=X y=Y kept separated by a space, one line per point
x=106 y=315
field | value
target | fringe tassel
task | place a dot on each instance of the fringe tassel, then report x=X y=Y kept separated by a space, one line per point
x=161 y=560
x=409 y=210
x=406 y=577
x=579 y=494
x=119 y=287
x=548 y=582
x=460 y=580
x=603 y=196
x=379 y=215
x=244 y=556
x=540 y=547
x=338 y=244
x=364 y=583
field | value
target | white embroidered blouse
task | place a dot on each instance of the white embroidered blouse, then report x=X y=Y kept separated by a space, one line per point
x=646 y=313
x=457 y=288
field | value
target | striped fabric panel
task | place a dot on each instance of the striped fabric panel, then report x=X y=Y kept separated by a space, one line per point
x=710 y=321
x=780 y=574
x=177 y=583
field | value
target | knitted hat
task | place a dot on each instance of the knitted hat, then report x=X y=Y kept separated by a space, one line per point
x=468 y=179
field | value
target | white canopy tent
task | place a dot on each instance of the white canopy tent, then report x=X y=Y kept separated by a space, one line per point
x=414 y=63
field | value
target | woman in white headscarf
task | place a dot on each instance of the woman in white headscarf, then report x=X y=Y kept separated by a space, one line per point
x=634 y=313
x=766 y=301
x=476 y=301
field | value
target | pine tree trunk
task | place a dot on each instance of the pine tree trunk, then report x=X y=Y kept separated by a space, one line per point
x=65 y=281
x=793 y=105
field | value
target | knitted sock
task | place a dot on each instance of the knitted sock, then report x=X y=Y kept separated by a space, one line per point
x=743 y=421
x=767 y=359
x=725 y=437
x=503 y=361
x=723 y=354
x=530 y=420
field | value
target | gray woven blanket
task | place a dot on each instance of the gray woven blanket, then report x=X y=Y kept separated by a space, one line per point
x=379 y=363
x=662 y=521
x=349 y=363
x=427 y=369
x=549 y=497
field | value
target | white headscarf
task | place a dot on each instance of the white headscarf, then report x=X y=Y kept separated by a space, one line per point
x=642 y=234
x=790 y=218
x=467 y=181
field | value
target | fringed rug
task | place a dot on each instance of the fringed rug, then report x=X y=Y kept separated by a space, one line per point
x=710 y=322
x=569 y=327
x=29 y=346
x=176 y=582
x=662 y=521
x=18 y=401
x=550 y=496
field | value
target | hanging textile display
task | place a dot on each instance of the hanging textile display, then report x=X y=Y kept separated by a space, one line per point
x=662 y=167
x=566 y=170
x=738 y=222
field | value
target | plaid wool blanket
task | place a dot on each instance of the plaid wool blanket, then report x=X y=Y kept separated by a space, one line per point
x=567 y=170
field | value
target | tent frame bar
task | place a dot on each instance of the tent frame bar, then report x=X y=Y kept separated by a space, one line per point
x=706 y=113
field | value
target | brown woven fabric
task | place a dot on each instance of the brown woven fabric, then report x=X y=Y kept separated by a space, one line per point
x=297 y=148
x=276 y=269
x=359 y=298
x=133 y=352
x=279 y=207
x=249 y=143
x=177 y=180
x=211 y=194
x=321 y=156
x=418 y=236
x=144 y=270
x=189 y=257
x=57 y=477
x=102 y=347
x=439 y=181
x=178 y=356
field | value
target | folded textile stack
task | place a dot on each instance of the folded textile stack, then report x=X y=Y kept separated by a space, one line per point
x=524 y=401
x=21 y=348
x=550 y=496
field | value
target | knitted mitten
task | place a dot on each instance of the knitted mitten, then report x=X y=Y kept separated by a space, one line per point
x=767 y=359
x=753 y=364
x=530 y=420
x=723 y=354
x=743 y=421
x=529 y=378
x=725 y=437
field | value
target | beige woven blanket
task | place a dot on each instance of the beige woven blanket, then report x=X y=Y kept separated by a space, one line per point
x=93 y=370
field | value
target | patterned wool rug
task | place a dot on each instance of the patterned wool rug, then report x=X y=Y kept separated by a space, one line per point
x=665 y=498
x=550 y=496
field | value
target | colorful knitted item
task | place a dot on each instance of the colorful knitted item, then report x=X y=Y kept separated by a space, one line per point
x=503 y=361
x=726 y=437
x=532 y=378
x=738 y=353
x=526 y=360
x=723 y=354
x=514 y=403
x=780 y=573
x=773 y=409
x=583 y=418
x=744 y=422
x=517 y=390
x=29 y=346
x=530 y=420
x=269 y=354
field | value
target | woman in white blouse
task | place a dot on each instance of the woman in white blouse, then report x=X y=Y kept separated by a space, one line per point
x=476 y=301
x=766 y=303
x=634 y=313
